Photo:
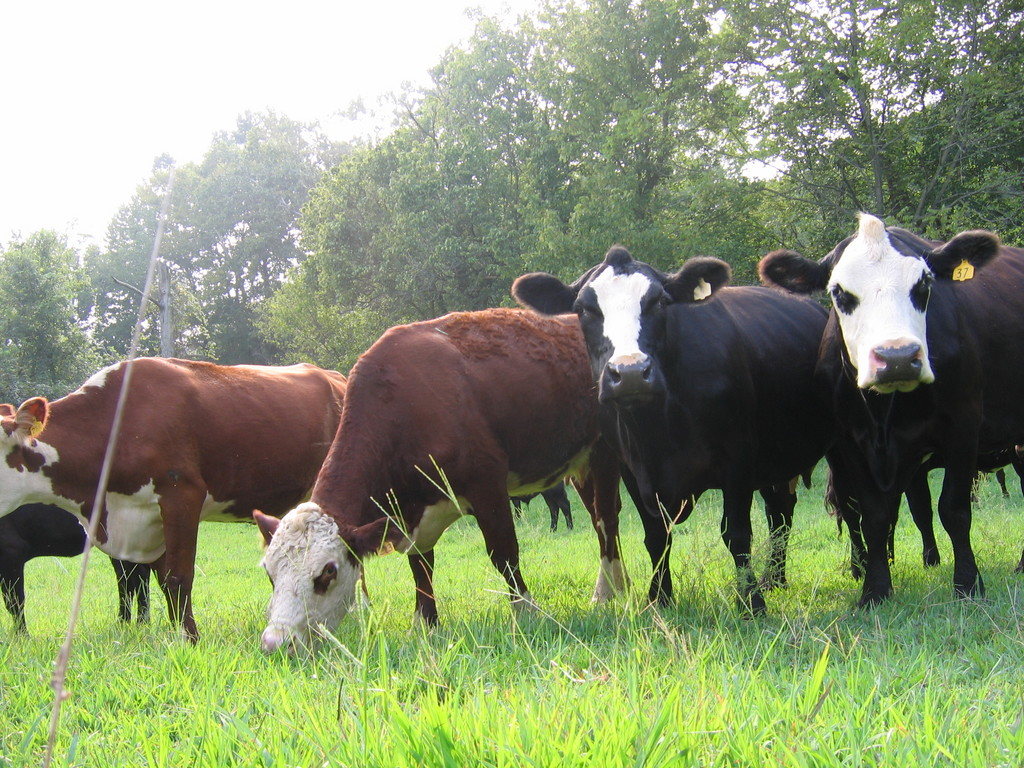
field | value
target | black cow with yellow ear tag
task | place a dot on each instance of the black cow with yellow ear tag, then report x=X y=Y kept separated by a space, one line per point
x=922 y=360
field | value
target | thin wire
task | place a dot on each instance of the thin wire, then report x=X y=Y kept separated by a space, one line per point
x=59 y=678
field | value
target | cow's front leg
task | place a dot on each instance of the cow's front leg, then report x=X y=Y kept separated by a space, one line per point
x=175 y=569
x=423 y=574
x=878 y=511
x=736 y=534
x=955 y=514
x=658 y=542
x=599 y=490
x=840 y=500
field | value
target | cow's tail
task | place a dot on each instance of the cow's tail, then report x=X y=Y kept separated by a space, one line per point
x=832 y=505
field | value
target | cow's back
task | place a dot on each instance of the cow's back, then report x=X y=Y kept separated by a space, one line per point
x=987 y=346
x=497 y=380
x=248 y=434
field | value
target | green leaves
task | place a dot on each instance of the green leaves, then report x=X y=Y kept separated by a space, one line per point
x=232 y=237
x=44 y=350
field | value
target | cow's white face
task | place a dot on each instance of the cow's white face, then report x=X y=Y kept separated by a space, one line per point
x=622 y=305
x=880 y=296
x=314 y=576
x=620 y=301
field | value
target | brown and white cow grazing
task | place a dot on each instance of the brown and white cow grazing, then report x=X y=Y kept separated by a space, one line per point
x=443 y=418
x=198 y=442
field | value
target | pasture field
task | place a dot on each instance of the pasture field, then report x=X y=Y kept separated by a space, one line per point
x=923 y=680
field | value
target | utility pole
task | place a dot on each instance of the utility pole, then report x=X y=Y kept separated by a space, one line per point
x=166 y=329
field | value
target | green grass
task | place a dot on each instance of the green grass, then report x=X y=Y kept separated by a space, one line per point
x=923 y=680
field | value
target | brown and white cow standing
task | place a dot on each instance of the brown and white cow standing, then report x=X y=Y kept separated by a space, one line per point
x=198 y=442
x=443 y=418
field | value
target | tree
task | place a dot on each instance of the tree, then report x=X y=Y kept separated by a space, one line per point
x=231 y=236
x=894 y=107
x=536 y=146
x=43 y=311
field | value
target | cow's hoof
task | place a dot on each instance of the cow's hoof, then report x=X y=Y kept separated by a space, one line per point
x=524 y=605
x=872 y=599
x=752 y=605
x=975 y=589
x=931 y=558
x=423 y=624
x=772 y=581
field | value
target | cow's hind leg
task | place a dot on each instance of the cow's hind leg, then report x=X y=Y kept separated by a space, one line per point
x=736 y=534
x=124 y=604
x=423 y=574
x=566 y=512
x=919 y=499
x=553 y=512
x=132 y=589
x=12 y=584
x=779 y=502
x=599 y=490
x=1001 y=479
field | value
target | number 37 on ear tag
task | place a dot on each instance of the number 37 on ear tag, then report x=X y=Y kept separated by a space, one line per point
x=963 y=271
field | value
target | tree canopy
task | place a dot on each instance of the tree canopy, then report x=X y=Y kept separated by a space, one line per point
x=673 y=128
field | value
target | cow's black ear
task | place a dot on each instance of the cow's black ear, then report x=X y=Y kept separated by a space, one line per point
x=792 y=272
x=977 y=247
x=697 y=279
x=544 y=293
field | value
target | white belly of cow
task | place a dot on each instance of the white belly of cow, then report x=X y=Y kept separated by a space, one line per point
x=135 y=529
x=435 y=521
x=216 y=511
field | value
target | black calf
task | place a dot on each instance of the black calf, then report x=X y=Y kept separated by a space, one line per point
x=42 y=530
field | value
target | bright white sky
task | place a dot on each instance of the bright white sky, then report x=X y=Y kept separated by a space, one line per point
x=92 y=92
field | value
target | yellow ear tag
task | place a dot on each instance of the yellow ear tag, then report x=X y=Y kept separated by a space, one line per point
x=963 y=271
x=36 y=428
x=386 y=548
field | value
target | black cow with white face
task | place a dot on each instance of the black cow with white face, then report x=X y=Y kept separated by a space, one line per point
x=704 y=386
x=922 y=361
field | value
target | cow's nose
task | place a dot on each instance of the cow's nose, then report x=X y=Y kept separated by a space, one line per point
x=275 y=638
x=897 y=363
x=629 y=379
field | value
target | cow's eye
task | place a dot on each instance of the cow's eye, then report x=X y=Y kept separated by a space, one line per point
x=655 y=302
x=920 y=292
x=326 y=577
x=845 y=301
